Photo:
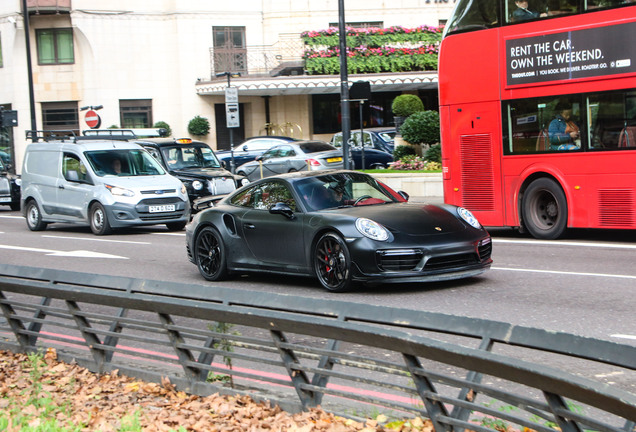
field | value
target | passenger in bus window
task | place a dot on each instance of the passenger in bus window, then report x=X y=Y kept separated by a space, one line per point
x=564 y=132
x=522 y=12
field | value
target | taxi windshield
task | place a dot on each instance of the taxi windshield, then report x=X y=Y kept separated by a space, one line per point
x=185 y=157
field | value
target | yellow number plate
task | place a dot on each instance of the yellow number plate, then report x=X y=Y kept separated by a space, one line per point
x=336 y=159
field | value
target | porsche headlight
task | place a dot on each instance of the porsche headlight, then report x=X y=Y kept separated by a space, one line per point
x=197 y=185
x=119 y=191
x=468 y=217
x=371 y=229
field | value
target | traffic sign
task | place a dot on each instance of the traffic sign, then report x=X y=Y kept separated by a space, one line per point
x=92 y=119
x=232 y=118
x=231 y=95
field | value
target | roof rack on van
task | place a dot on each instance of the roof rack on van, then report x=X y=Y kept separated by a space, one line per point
x=69 y=136
x=50 y=135
x=129 y=133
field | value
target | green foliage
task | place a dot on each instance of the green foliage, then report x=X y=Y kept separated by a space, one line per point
x=401 y=151
x=223 y=344
x=199 y=126
x=434 y=153
x=372 y=50
x=421 y=128
x=163 y=125
x=407 y=104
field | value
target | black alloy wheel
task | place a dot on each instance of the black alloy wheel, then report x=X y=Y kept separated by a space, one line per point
x=332 y=263
x=545 y=209
x=210 y=254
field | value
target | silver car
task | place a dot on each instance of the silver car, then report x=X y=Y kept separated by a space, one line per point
x=291 y=157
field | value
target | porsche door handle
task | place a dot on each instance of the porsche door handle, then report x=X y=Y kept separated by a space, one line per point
x=249 y=226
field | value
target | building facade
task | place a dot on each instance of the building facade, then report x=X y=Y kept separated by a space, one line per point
x=135 y=63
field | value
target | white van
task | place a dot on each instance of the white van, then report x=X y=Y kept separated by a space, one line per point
x=102 y=182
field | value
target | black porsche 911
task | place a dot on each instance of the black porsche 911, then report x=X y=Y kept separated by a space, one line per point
x=339 y=226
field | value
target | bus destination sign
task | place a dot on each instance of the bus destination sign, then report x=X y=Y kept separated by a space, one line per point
x=569 y=55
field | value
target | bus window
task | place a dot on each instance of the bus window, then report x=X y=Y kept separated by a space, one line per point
x=473 y=15
x=612 y=120
x=542 y=125
x=524 y=10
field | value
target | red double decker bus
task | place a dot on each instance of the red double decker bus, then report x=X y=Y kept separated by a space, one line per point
x=538 y=113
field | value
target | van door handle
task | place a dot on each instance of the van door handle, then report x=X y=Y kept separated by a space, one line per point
x=61 y=187
x=249 y=226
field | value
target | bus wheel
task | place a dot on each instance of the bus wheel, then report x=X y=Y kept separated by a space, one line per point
x=545 y=210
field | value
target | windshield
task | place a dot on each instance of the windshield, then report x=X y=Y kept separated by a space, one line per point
x=125 y=162
x=341 y=190
x=184 y=157
x=473 y=15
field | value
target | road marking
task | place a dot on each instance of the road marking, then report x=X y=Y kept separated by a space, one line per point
x=566 y=273
x=97 y=239
x=170 y=234
x=75 y=253
x=12 y=217
x=564 y=243
x=623 y=336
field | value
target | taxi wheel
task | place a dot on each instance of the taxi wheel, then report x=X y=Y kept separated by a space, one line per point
x=332 y=263
x=210 y=254
x=99 y=220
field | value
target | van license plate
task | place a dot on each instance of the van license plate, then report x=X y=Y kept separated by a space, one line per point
x=161 y=208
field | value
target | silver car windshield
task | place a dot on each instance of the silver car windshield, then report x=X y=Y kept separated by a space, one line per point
x=125 y=162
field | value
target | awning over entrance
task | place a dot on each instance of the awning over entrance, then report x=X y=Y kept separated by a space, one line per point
x=317 y=84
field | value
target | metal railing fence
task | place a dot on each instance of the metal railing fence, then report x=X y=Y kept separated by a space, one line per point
x=299 y=352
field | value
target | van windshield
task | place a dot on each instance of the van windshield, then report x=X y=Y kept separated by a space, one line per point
x=124 y=162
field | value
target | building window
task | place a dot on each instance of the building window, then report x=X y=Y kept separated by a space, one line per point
x=135 y=113
x=60 y=116
x=55 y=46
x=230 y=53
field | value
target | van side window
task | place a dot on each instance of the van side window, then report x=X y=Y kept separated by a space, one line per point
x=72 y=168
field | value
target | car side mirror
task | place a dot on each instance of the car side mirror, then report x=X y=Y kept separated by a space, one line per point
x=245 y=147
x=404 y=195
x=283 y=209
x=258 y=158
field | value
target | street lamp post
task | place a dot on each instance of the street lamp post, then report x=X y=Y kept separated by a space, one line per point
x=231 y=112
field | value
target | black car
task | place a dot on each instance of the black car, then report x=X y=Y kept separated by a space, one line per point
x=378 y=148
x=340 y=226
x=195 y=164
x=9 y=188
x=250 y=149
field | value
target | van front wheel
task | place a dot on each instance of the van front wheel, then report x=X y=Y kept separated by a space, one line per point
x=34 y=217
x=99 y=220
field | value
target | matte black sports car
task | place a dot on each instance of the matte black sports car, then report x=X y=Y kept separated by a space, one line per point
x=339 y=226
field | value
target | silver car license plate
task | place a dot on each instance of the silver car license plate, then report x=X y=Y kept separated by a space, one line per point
x=161 y=208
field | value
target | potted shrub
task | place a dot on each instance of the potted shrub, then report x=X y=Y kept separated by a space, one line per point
x=422 y=129
x=199 y=126
x=403 y=106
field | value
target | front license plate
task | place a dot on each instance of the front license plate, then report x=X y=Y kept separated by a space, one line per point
x=336 y=159
x=161 y=208
x=5 y=199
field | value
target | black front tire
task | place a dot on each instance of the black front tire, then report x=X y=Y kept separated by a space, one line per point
x=176 y=226
x=99 y=220
x=34 y=217
x=210 y=254
x=545 y=209
x=332 y=263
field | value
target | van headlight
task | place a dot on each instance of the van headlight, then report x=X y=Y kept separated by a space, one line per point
x=183 y=189
x=371 y=229
x=468 y=217
x=119 y=191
